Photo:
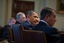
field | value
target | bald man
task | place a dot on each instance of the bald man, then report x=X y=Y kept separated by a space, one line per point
x=20 y=17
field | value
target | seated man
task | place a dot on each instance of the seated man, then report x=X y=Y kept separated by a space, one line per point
x=32 y=20
x=48 y=18
x=5 y=31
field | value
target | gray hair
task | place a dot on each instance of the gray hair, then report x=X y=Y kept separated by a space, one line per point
x=19 y=14
x=11 y=20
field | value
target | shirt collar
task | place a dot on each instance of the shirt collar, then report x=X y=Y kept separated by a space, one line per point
x=30 y=23
x=44 y=21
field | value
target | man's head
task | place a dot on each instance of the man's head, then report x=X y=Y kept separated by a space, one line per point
x=49 y=15
x=20 y=17
x=32 y=17
x=11 y=21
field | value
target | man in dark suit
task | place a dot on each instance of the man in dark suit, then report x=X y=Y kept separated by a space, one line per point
x=5 y=31
x=32 y=20
x=48 y=18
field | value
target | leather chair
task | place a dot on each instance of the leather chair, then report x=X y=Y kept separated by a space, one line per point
x=11 y=37
x=33 y=36
x=62 y=36
x=17 y=32
x=0 y=31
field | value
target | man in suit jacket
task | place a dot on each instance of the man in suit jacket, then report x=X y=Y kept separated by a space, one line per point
x=5 y=31
x=32 y=20
x=48 y=18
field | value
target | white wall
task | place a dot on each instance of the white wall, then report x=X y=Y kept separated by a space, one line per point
x=2 y=12
x=5 y=11
x=9 y=12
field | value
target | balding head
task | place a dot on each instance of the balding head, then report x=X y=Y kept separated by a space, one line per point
x=20 y=17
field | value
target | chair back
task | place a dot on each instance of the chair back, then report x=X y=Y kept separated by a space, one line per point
x=10 y=34
x=0 y=31
x=33 y=36
x=21 y=27
x=62 y=36
x=17 y=33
